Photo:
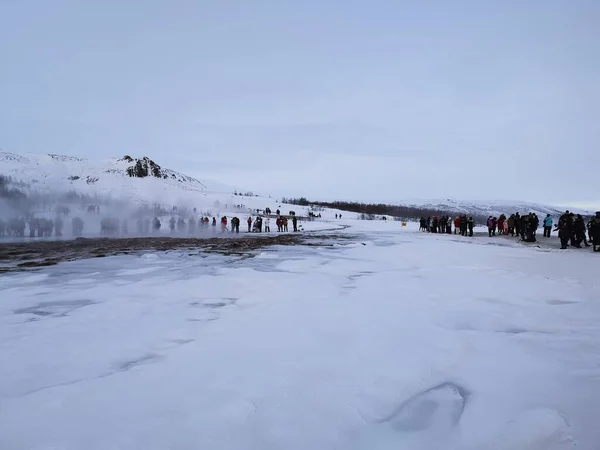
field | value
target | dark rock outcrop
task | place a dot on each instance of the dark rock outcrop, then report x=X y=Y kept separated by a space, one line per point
x=143 y=168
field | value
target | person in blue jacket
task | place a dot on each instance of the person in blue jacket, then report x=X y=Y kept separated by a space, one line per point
x=547 y=225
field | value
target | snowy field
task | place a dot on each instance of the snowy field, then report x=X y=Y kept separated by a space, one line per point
x=393 y=340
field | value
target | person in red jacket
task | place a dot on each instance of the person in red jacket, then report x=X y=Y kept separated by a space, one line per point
x=223 y=224
x=501 y=224
x=456 y=224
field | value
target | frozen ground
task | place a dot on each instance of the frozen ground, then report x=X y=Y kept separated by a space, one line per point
x=396 y=340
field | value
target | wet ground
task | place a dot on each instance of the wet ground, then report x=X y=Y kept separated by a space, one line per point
x=23 y=255
x=18 y=256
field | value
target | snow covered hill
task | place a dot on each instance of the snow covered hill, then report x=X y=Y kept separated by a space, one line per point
x=490 y=207
x=128 y=178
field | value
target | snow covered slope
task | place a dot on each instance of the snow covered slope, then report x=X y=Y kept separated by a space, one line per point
x=136 y=179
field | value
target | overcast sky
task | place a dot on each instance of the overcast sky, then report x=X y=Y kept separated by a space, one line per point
x=329 y=99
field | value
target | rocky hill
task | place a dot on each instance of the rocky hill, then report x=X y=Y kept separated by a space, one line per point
x=137 y=178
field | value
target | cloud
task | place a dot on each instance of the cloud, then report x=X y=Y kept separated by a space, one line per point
x=383 y=100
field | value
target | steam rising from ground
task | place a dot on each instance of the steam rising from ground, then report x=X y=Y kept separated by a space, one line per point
x=26 y=210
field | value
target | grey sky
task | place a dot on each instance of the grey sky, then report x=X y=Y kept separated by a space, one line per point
x=366 y=100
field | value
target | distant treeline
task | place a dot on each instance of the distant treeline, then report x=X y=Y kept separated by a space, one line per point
x=381 y=209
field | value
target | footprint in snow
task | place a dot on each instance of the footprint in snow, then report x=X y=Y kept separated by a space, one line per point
x=440 y=407
x=420 y=422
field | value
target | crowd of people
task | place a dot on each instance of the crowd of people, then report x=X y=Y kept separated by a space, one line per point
x=146 y=224
x=572 y=228
x=463 y=225
x=258 y=224
x=572 y=231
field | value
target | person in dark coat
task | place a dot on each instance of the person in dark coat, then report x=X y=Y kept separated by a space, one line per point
x=595 y=231
x=564 y=227
x=579 y=226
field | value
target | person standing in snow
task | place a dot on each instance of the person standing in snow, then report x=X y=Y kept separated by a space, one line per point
x=490 y=225
x=535 y=223
x=464 y=225
x=295 y=223
x=155 y=225
x=511 y=225
x=530 y=227
x=522 y=226
x=180 y=225
x=470 y=225
x=547 y=225
x=579 y=226
x=501 y=222
x=249 y=222
x=564 y=228
x=595 y=231
x=517 y=224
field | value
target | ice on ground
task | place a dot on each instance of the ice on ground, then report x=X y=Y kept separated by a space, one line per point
x=395 y=339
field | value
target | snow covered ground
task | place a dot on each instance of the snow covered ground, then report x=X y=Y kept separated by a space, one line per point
x=395 y=339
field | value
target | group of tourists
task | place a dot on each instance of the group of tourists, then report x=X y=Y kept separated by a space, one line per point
x=258 y=224
x=463 y=225
x=572 y=228
x=572 y=231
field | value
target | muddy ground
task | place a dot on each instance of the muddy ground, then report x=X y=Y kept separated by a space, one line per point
x=20 y=256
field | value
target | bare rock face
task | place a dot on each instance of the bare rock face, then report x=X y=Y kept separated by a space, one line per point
x=143 y=167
